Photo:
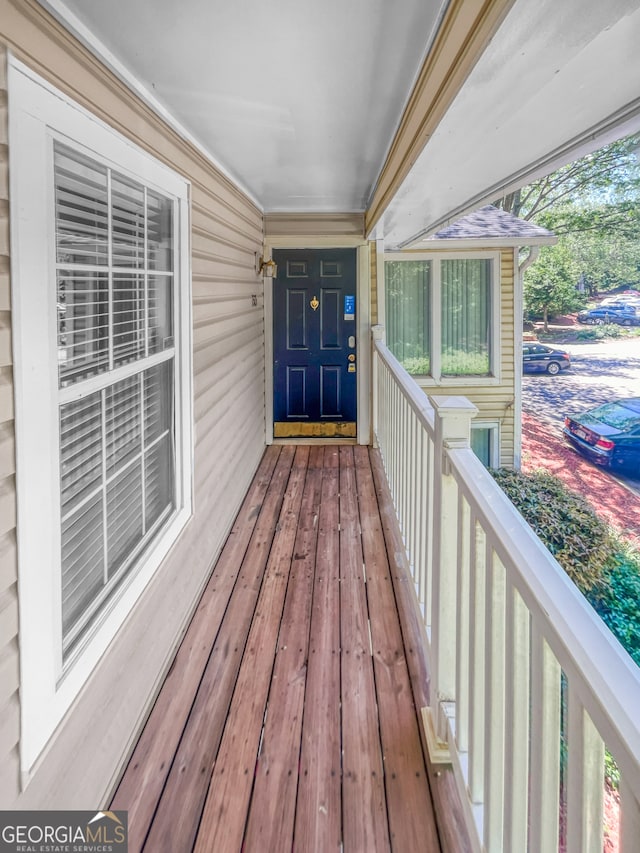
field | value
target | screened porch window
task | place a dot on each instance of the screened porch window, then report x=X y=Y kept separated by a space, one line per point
x=408 y=312
x=465 y=315
x=116 y=374
x=440 y=315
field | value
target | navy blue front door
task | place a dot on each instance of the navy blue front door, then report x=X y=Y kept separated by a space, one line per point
x=314 y=342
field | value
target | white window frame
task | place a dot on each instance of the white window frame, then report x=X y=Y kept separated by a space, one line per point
x=435 y=342
x=39 y=114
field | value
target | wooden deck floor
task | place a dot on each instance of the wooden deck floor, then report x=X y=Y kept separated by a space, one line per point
x=287 y=720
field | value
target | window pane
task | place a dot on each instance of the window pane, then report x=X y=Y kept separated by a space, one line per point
x=124 y=516
x=466 y=297
x=158 y=480
x=158 y=431
x=81 y=208
x=159 y=232
x=80 y=450
x=83 y=325
x=481 y=444
x=127 y=217
x=82 y=561
x=407 y=287
x=128 y=318
x=158 y=402
x=122 y=418
x=160 y=313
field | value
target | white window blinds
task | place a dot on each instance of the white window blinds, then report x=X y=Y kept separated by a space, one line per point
x=116 y=368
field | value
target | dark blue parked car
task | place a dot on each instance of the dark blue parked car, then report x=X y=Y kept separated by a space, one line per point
x=608 y=435
x=538 y=358
x=625 y=316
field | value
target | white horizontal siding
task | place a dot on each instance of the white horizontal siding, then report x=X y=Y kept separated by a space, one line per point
x=86 y=754
x=314 y=225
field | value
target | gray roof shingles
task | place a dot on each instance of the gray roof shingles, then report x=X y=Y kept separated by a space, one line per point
x=490 y=222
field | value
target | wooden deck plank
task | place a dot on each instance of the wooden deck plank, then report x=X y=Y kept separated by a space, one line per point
x=256 y=758
x=452 y=829
x=406 y=782
x=180 y=805
x=365 y=825
x=224 y=816
x=272 y=811
x=146 y=773
x=318 y=825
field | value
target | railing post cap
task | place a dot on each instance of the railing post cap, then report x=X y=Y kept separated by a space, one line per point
x=378 y=332
x=450 y=405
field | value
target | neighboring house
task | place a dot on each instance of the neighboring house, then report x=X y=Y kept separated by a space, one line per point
x=453 y=304
x=149 y=352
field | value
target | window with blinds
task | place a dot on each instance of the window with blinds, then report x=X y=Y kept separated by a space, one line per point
x=116 y=375
x=408 y=313
x=465 y=317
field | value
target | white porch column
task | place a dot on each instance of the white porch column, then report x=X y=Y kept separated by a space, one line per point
x=453 y=427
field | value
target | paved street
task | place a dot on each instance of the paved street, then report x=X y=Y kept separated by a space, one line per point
x=599 y=372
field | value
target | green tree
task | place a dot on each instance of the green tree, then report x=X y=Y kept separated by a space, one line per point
x=593 y=205
x=550 y=284
x=607 y=180
x=604 y=260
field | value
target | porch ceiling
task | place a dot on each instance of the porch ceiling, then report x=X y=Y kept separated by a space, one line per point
x=557 y=81
x=299 y=100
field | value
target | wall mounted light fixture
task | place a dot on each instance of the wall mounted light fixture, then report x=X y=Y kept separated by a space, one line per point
x=268 y=268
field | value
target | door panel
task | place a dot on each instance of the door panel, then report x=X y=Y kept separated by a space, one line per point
x=296 y=320
x=296 y=392
x=314 y=335
x=330 y=391
x=330 y=326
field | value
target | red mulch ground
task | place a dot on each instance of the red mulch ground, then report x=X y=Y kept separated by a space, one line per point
x=544 y=447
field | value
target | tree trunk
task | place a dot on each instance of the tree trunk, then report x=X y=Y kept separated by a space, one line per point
x=545 y=318
x=512 y=203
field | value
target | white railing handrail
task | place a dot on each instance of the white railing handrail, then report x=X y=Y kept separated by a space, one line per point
x=578 y=637
x=473 y=557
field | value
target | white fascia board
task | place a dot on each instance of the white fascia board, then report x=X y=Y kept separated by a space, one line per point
x=452 y=244
x=74 y=25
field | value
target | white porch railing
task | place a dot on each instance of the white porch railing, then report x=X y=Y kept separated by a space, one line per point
x=505 y=628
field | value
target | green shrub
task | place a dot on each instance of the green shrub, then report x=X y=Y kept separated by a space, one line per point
x=566 y=523
x=417 y=366
x=608 y=573
x=619 y=603
x=598 y=333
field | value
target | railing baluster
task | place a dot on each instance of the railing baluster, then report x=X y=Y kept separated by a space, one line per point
x=544 y=779
x=415 y=518
x=430 y=474
x=478 y=662
x=463 y=626
x=421 y=522
x=629 y=818
x=517 y=722
x=494 y=730
x=585 y=780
